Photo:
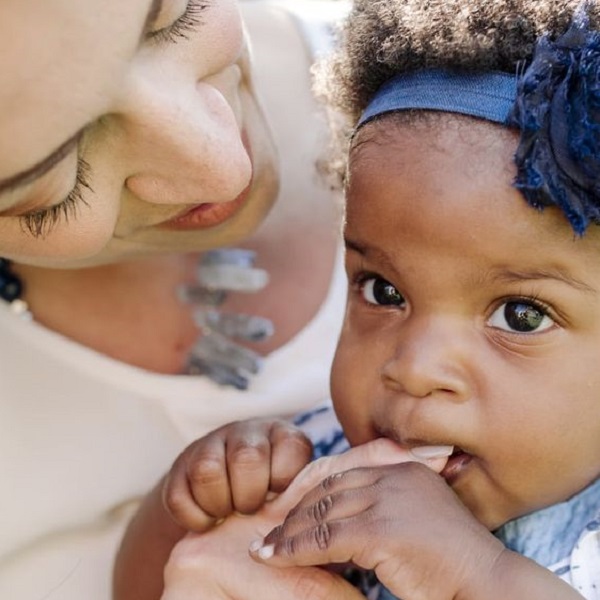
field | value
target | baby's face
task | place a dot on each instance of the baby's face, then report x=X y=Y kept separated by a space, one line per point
x=473 y=320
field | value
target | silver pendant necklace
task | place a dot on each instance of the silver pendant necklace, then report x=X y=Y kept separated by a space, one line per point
x=217 y=354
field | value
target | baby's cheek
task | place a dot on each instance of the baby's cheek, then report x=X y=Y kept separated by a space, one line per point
x=350 y=397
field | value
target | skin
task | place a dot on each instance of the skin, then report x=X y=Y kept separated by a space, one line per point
x=169 y=122
x=438 y=218
x=232 y=469
x=441 y=253
x=433 y=355
x=185 y=132
x=207 y=561
x=166 y=126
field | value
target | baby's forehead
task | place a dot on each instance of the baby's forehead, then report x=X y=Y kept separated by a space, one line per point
x=454 y=175
x=408 y=135
x=394 y=127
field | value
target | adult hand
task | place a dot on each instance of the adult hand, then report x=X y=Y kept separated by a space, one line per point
x=217 y=564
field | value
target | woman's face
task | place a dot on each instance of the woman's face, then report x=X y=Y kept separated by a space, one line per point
x=127 y=128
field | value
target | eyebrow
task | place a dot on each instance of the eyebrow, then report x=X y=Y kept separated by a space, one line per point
x=362 y=249
x=540 y=274
x=371 y=251
x=508 y=276
x=41 y=168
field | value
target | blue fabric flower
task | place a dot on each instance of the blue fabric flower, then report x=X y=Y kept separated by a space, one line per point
x=558 y=112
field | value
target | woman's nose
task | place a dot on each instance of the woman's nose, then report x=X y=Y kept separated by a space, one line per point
x=430 y=356
x=183 y=139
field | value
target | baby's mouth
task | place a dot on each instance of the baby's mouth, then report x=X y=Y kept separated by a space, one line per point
x=457 y=463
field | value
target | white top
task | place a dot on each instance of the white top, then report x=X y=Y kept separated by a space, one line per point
x=83 y=437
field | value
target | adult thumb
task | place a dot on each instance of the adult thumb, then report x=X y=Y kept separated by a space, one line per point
x=379 y=452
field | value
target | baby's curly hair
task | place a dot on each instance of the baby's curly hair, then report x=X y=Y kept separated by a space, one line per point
x=382 y=38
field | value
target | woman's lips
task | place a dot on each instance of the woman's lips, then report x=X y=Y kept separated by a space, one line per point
x=207 y=215
x=456 y=464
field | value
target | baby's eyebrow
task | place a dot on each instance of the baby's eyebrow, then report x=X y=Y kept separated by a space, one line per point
x=512 y=276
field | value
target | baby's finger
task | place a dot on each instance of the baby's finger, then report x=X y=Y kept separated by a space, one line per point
x=329 y=542
x=208 y=478
x=179 y=502
x=338 y=496
x=291 y=451
x=249 y=466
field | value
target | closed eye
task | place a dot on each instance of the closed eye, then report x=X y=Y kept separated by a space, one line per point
x=183 y=26
x=40 y=223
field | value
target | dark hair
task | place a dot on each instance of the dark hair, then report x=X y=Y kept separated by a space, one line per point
x=382 y=38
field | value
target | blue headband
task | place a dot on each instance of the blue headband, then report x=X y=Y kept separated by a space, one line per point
x=489 y=96
x=555 y=103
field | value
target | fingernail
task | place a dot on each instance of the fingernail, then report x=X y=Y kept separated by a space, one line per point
x=266 y=552
x=255 y=545
x=430 y=452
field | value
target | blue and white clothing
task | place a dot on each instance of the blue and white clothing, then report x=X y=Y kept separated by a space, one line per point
x=564 y=537
x=324 y=430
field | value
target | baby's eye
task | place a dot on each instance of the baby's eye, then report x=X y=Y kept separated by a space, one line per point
x=376 y=290
x=521 y=316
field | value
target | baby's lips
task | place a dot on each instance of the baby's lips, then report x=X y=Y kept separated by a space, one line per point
x=424 y=453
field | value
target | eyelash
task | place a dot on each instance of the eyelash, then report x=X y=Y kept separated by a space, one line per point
x=180 y=29
x=41 y=222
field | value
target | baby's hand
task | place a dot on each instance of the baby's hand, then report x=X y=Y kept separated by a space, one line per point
x=402 y=521
x=233 y=469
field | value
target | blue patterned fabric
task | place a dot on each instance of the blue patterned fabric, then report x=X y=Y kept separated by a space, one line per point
x=548 y=536
x=324 y=430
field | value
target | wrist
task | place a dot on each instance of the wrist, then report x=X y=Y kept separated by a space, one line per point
x=511 y=575
x=487 y=571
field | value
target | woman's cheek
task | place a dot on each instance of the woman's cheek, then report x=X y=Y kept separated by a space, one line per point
x=68 y=241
